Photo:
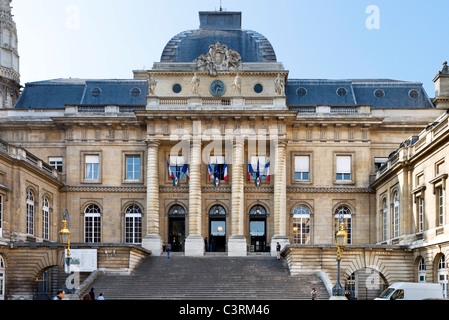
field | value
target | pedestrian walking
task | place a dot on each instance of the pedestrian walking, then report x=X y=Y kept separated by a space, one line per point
x=313 y=294
x=168 y=250
x=205 y=244
x=100 y=296
x=278 y=251
x=92 y=294
x=59 y=295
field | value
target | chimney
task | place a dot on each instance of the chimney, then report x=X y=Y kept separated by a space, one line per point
x=441 y=80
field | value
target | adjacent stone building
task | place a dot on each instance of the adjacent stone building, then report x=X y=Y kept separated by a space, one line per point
x=216 y=144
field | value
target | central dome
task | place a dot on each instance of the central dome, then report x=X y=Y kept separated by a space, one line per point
x=223 y=27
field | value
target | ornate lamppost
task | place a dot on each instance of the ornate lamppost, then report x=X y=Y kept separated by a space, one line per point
x=65 y=239
x=338 y=290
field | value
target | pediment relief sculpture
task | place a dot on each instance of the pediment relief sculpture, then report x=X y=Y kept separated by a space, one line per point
x=219 y=57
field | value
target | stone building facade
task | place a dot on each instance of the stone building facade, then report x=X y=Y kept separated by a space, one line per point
x=215 y=144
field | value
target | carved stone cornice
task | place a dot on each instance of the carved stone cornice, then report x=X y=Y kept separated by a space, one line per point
x=212 y=189
x=259 y=189
x=173 y=189
x=125 y=189
x=295 y=189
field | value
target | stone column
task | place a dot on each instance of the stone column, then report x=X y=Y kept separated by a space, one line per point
x=237 y=241
x=152 y=240
x=194 y=245
x=280 y=198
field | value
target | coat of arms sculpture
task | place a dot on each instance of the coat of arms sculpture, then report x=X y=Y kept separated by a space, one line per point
x=218 y=58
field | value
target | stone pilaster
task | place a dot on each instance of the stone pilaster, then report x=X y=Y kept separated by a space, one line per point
x=194 y=245
x=152 y=240
x=280 y=197
x=237 y=241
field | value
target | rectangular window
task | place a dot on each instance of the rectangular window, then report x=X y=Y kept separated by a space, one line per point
x=263 y=160
x=217 y=165
x=1 y=215
x=133 y=229
x=56 y=162
x=440 y=206
x=132 y=167
x=176 y=165
x=92 y=167
x=439 y=168
x=343 y=168
x=420 y=214
x=92 y=228
x=302 y=168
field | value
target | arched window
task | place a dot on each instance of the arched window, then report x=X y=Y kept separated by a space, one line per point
x=1 y=216
x=133 y=224
x=217 y=211
x=176 y=211
x=258 y=228
x=258 y=211
x=422 y=270
x=46 y=219
x=92 y=224
x=30 y=213
x=301 y=225
x=443 y=275
x=396 y=215
x=343 y=215
x=2 y=278
x=217 y=227
x=384 y=220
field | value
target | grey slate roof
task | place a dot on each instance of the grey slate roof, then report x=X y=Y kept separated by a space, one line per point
x=394 y=94
x=189 y=45
x=223 y=27
x=55 y=94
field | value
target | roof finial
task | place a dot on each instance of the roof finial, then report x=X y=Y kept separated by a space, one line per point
x=221 y=8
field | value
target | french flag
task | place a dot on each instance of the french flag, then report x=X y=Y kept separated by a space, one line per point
x=250 y=170
x=185 y=170
x=267 y=171
x=209 y=170
x=225 y=171
x=170 y=173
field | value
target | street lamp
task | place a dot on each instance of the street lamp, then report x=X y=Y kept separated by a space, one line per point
x=65 y=236
x=342 y=237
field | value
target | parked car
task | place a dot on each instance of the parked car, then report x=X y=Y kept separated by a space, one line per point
x=412 y=291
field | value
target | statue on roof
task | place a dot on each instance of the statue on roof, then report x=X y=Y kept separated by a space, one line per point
x=279 y=85
x=445 y=69
x=219 y=57
x=152 y=83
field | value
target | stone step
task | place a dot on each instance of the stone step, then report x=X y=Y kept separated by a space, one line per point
x=212 y=277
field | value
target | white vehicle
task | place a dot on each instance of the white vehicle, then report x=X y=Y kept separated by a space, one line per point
x=412 y=291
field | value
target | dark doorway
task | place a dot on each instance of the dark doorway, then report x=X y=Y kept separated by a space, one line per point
x=176 y=228
x=258 y=229
x=217 y=229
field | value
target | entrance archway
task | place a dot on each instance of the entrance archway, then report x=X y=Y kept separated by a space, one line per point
x=258 y=229
x=176 y=228
x=217 y=229
x=2 y=278
x=365 y=284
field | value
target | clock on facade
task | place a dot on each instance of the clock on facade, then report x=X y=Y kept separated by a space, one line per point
x=217 y=88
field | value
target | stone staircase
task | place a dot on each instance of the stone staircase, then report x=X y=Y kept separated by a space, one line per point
x=212 y=277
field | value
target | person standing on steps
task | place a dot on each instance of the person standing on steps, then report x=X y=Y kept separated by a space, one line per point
x=313 y=294
x=168 y=250
x=92 y=294
x=278 y=251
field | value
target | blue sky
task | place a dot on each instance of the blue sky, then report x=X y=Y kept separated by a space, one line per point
x=320 y=39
